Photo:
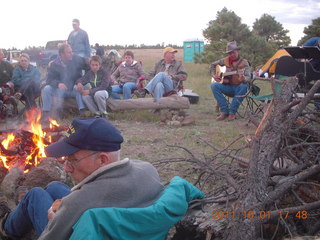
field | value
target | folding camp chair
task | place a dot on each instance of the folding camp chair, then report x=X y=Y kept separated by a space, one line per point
x=177 y=89
x=286 y=67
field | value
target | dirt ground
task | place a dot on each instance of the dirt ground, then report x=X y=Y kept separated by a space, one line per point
x=146 y=139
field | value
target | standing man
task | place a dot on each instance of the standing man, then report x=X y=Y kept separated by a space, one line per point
x=165 y=75
x=79 y=40
x=63 y=73
x=6 y=69
x=233 y=85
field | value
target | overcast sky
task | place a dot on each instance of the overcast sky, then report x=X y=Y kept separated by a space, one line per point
x=34 y=22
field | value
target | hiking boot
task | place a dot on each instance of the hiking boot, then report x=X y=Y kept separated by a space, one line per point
x=141 y=93
x=20 y=193
x=222 y=116
x=231 y=117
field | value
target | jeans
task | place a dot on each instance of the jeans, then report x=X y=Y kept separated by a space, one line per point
x=98 y=102
x=159 y=85
x=49 y=92
x=126 y=89
x=219 y=90
x=32 y=211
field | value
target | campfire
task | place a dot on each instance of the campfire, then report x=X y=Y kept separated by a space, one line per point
x=24 y=148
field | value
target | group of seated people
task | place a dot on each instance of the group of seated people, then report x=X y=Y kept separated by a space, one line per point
x=66 y=78
x=70 y=75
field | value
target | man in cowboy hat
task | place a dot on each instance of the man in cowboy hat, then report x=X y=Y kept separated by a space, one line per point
x=231 y=83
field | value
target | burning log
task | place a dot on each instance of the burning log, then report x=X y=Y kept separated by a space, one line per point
x=25 y=147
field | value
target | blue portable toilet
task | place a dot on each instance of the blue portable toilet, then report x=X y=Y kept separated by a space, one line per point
x=190 y=47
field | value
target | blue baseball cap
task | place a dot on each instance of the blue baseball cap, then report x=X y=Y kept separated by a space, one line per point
x=96 y=134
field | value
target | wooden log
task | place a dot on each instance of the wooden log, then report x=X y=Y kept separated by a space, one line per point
x=171 y=102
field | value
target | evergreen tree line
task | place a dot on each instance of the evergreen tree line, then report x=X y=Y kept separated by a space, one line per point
x=258 y=45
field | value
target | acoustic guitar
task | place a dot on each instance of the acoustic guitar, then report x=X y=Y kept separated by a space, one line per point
x=225 y=74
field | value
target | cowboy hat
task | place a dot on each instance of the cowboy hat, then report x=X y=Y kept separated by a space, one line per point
x=231 y=46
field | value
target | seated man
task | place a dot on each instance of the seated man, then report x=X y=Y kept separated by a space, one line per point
x=63 y=73
x=233 y=85
x=91 y=151
x=165 y=75
x=26 y=79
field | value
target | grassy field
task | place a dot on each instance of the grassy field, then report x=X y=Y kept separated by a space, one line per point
x=146 y=140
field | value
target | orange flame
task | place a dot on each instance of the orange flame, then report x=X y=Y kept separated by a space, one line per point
x=5 y=143
x=36 y=153
x=38 y=135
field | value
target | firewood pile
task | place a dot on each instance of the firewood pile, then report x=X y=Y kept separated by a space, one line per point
x=267 y=188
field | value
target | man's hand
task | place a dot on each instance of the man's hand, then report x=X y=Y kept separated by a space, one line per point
x=216 y=77
x=62 y=86
x=79 y=87
x=54 y=207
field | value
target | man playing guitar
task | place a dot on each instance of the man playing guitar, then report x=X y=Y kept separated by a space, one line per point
x=230 y=82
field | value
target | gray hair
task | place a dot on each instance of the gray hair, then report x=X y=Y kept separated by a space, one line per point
x=25 y=55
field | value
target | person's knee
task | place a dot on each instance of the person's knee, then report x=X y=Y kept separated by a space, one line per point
x=215 y=86
x=101 y=95
x=35 y=193
x=53 y=185
x=243 y=88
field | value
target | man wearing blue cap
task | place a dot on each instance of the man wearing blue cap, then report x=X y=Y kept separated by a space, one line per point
x=91 y=155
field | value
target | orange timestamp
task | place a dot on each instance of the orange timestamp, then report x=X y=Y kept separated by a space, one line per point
x=262 y=215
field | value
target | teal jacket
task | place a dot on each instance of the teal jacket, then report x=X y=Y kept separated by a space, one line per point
x=149 y=223
x=20 y=76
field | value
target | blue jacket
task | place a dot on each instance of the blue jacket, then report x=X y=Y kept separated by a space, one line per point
x=79 y=42
x=312 y=42
x=149 y=223
x=20 y=75
x=69 y=73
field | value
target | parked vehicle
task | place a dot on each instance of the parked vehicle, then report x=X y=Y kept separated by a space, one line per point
x=12 y=57
x=49 y=53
